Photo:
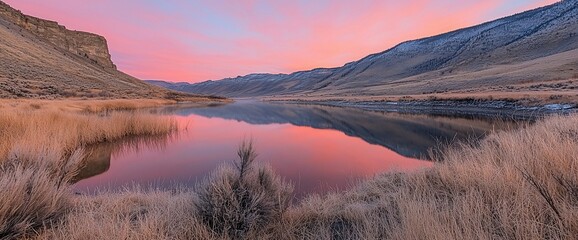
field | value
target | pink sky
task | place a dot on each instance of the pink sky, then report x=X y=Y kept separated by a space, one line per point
x=193 y=41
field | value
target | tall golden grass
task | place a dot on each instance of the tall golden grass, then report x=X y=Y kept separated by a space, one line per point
x=41 y=152
x=512 y=185
x=78 y=105
x=34 y=131
x=31 y=199
x=521 y=184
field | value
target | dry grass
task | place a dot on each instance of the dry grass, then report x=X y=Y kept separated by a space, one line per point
x=133 y=214
x=245 y=202
x=41 y=152
x=88 y=106
x=31 y=128
x=34 y=198
x=512 y=185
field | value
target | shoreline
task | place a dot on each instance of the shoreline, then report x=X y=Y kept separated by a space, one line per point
x=461 y=108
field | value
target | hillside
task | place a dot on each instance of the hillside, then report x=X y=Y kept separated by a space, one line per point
x=42 y=59
x=517 y=56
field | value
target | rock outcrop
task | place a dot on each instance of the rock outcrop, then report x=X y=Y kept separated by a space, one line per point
x=87 y=45
x=41 y=59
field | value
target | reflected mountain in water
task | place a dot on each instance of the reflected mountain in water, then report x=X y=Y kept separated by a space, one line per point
x=409 y=135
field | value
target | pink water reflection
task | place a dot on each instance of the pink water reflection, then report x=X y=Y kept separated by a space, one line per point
x=314 y=160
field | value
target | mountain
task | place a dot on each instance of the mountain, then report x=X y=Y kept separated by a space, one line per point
x=42 y=59
x=165 y=84
x=533 y=50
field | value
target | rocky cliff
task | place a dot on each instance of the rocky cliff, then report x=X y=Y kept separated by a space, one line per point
x=41 y=59
x=87 y=45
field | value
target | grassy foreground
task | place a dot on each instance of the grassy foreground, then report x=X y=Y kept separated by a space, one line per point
x=41 y=151
x=512 y=185
x=35 y=128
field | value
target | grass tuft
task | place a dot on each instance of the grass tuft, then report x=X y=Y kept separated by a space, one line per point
x=35 y=195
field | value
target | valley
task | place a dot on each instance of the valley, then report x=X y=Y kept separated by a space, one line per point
x=469 y=134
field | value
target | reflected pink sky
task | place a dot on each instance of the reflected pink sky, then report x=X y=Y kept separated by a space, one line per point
x=314 y=160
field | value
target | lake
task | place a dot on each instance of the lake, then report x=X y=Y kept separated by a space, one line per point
x=317 y=148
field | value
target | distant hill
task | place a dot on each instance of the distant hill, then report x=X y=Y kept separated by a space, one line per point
x=165 y=84
x=525 y=53
x=42 y=59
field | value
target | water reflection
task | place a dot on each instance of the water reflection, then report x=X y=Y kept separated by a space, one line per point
x=96 y=161
x=409 y=135
x=98 y=156
x=317 y=148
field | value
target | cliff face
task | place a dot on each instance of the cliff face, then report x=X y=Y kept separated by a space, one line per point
x=41 y=59
x=87 y=45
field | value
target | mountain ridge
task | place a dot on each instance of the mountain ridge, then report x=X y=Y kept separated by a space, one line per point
x=459 y=60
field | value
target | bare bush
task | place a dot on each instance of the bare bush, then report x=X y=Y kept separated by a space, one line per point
x=245 y=201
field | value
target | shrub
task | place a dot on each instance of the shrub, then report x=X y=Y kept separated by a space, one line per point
x=243 y=201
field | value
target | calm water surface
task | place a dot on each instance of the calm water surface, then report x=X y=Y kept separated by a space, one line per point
x=317 y=148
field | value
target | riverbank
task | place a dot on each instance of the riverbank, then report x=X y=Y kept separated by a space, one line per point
x=103 y=105
x=461 y=108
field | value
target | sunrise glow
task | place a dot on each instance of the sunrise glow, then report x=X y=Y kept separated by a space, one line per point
x=194 y=41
